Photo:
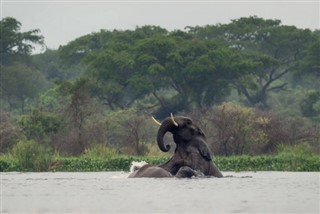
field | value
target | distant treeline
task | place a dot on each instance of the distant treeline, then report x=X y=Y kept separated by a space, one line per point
x=252 y=85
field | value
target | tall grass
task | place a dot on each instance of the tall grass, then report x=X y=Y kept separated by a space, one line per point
x=100 y=151
x=32 y=156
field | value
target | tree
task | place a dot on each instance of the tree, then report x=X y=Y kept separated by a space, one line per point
x=16 y=44
x=310 y=104
x=202 y=70
x=20 y=83
x=78 y=111
x=49 y=64
x=311 y=59
x=38 y=125
x=129 y=131
x=111 y=71
x=278 y=48
x=20 y=80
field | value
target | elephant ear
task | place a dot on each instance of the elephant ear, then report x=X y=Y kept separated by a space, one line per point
x=205 y=151
x=201 y=147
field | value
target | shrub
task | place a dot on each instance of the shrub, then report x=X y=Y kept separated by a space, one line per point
x=268 y=163
x=8 y=163
x=154 y=151
x=237 y=129
x=299 y=150
x=39 y=124
x=32 y=156
x=310 y=104
x=130 y=131
x=100 y=151
x=9 y=134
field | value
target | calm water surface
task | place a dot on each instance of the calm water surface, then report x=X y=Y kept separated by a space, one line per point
x=113 y=192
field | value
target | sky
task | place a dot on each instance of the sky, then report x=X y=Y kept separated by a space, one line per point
x=61 y=21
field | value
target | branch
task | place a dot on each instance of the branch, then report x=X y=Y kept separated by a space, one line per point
x=159 y=99
x=243 y=90
x=271 y=79
x=281 y=74
x=280 y=87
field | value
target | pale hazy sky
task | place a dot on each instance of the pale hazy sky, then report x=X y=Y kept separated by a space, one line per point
x=63 y=21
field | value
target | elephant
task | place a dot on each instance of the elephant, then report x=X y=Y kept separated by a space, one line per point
x=154 y=171
x=191 y=150
x=192 y=156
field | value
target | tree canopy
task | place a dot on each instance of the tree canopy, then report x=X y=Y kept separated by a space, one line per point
x=100 y=87
x=14 y=43
x=197 y=67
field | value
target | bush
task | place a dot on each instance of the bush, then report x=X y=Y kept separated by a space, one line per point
x=299 y=150
x=237 y=129
x=9 y=134
x=268 y=163
x=130 y=131
x=32 y=156
x=310 y=104
x=8 y=163
x=39 y=124
x=100 y=151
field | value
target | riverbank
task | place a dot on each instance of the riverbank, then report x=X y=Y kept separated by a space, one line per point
x=122 y=163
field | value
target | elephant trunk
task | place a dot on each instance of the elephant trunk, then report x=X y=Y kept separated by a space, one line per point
x=167 y=125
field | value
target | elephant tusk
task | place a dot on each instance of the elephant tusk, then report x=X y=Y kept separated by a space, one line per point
x=156 y=121
x=173 y=121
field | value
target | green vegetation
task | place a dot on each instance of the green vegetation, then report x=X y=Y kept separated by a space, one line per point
x=32 y=157
x=122 y=163
x=252 y=85
x=28 y=157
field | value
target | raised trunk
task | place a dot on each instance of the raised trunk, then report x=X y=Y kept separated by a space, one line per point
x=166 y=126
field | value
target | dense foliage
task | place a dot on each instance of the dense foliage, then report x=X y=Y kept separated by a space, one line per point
x=252 y=85
x=287 y=160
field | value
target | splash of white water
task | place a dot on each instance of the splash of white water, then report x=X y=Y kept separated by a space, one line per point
x=135 y=165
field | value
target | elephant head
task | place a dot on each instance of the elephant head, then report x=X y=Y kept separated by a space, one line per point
x=192 y=149
x=182 y=128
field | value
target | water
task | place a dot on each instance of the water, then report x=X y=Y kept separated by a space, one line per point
x=113 y=192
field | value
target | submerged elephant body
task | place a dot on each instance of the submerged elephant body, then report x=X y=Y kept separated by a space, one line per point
x=153 y=171
x=150 y=171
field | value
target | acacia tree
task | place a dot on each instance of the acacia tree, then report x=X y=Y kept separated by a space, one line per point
x=111 y=71
x=179 y=71
x=20 y=80
x=197 y=68
x=278 y=48
x=14 y=43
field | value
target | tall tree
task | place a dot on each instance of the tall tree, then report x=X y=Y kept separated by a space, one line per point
x=20 y=80
x=14 y=43
x=277 y=47
x=20 y=83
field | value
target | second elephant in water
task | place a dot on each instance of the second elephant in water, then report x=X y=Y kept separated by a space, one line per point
x=154 y=171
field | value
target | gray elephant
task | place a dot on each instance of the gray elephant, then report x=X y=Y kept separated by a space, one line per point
x=192 y=156
x=191 y=147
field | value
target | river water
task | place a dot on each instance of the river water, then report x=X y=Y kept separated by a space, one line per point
x=113 y=192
